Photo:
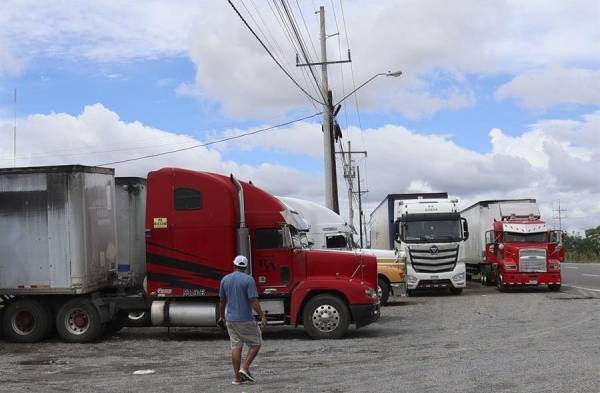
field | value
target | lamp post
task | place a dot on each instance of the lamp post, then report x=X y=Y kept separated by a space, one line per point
x=389 y=73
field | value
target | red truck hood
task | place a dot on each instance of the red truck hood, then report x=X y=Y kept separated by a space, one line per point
x=343 y=264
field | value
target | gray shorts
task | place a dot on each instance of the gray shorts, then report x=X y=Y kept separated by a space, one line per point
x=244 y=332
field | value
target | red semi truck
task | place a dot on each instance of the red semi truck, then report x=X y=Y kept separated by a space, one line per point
x=511 y=246
x=63 y=265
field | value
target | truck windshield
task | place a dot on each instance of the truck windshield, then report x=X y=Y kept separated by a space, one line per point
x=336 y=241
x=515 y=237
x=441 y=231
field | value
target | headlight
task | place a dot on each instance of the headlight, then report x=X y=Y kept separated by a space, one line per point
x=510 y=266
x=458 y=277
x=411 y=279
x=371 y=293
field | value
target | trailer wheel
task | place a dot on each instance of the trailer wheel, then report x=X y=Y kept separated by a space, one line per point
x=26 y=321
x=554 y=287
x=383 y=290
x=78 y=321
x=486 y=276
x=500 y=283
x=138 y=319
x=326 y=316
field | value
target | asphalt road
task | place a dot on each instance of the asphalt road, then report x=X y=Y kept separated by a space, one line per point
x=581 y=275
x=481 y=341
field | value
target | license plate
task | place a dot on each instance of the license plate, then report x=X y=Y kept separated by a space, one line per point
x=533 y=282
x=435 y=277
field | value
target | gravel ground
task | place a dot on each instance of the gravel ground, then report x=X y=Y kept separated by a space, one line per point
x=525 y=341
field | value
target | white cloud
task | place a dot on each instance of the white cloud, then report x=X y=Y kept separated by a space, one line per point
x=564 y=166
x=546 y=88
x=435 y=43
x=98 y=135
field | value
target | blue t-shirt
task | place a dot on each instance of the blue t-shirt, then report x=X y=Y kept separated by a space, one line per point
x=238 y=289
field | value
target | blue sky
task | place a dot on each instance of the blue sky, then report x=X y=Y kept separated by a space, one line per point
x=168 y=74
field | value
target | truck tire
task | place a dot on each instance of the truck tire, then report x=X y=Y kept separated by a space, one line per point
x=383 y=290
x=26 y=321
x=456 y=291
x=554 y=287
x=326 y=317
x=78 y=321
x=500 y=284
x=138 y=319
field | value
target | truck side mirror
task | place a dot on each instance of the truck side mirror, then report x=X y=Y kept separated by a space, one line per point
x=465 y=228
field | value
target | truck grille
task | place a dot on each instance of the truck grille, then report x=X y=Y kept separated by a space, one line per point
x=433 y=259
x=532 y=260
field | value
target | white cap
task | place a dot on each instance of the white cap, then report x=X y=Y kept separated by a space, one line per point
x=240 y=261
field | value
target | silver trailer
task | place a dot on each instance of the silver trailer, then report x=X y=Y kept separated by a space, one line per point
x=130 y=194
x=59 y=230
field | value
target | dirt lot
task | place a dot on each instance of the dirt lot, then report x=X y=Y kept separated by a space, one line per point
x=527 y=341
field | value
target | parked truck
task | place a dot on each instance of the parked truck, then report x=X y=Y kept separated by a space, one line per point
x=427 y=231
x=327 y=230
x=511 y=246
x=75 y=254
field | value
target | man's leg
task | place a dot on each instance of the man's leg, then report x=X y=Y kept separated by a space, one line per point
x=236 y=360
x=252 y=352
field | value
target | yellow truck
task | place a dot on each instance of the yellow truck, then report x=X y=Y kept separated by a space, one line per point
x=329 y=231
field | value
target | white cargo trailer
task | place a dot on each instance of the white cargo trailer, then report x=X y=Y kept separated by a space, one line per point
x=481 y=217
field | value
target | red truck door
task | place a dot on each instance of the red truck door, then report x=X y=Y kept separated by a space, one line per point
x=490 y=250
x=272 y=263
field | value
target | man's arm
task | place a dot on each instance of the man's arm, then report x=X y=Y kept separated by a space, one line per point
x=258 y=309
x=222 y=303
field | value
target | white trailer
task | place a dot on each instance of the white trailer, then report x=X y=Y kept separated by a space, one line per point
x=328 y=230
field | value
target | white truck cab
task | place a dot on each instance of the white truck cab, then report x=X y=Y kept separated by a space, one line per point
x=427 y=232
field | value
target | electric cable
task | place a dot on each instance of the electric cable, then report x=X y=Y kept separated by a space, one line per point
x=271 y=54
x=211 y=142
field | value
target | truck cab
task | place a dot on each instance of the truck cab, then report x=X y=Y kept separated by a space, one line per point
x=198 y=222
x=429 y=234
x=523 y=251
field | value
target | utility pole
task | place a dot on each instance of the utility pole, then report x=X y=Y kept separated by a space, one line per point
x=558 y=215
x=360 y=210
x=15 y=131
x=350 y=174
x=331 y=198
x=331 y=191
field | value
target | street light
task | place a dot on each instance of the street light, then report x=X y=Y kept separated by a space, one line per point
x=389 y=73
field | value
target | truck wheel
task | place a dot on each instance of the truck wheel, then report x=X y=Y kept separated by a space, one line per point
x=486 y=275
x=138 y=319
x=456 y=291
x=326 y=316
x=554 y=287
x=26 y=321
x=383 y=290
x=78 y=321
x=500 y=284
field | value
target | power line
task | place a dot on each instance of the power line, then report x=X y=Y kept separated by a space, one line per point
x=302 y=45
x=212 y=142
x=271 y=54
x=288 y=34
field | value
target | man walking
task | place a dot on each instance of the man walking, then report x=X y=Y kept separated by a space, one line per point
x=238 y=298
